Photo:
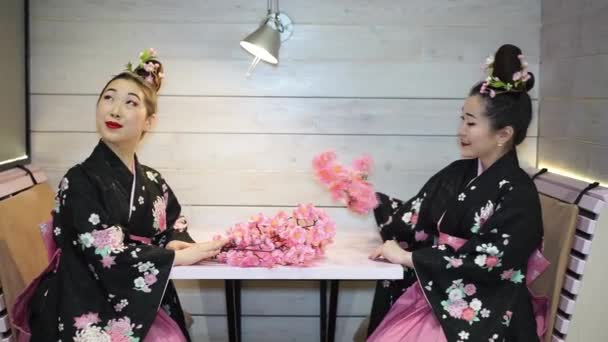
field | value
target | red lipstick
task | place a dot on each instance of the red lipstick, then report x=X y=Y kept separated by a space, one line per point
x=113 y=125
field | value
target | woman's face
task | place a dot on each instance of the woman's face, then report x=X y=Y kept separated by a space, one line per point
x=476 y=138
x=121 y=114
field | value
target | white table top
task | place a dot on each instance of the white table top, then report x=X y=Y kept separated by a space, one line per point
x=346 y=258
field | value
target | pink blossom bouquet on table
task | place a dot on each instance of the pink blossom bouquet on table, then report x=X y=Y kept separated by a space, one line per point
x=283 y=239
x=348 y=185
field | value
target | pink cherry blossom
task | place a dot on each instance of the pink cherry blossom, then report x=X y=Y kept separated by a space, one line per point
x=83 y=321
x=456 y=262
x=470 y=289
x=283 y=239
x=150 y=279
x=491 y=261
x=347 y=185
x=468 y=314
x=108 y=261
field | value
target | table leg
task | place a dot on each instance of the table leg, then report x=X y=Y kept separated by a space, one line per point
x=233 y=309
x=323 y=308
x=333 y=309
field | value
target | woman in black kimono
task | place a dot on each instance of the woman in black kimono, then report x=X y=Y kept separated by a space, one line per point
x=466 y=238
x=118 y=230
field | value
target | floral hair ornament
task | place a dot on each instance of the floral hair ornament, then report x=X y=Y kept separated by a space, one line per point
x=494 y=86
x=147 y=63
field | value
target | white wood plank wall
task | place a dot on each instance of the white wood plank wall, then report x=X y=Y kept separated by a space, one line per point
x=380 y=77
x=574 y=88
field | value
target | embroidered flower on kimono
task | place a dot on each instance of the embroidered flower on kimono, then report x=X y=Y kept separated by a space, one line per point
x=485 y=313
x=429 y=286
x=461 y=197
x=149 y=272
x=144 y=266
x=108 y=261
x=152 y=176
x=140 y=200
x=121 y=305
x=494 y=338
x=86 y=240
x=411 y=217
x=94 y=219
x=120 y=328
x=57 y=231
x=140 y=283
x=470 y=289
x=150 y=278
x=109 y=239
x=457 y=306
x=57 y=206
x=492 y=257
x=160 y=213
x=506 y=318
x=117 y=330
x=468 y=314
x=85 y=320
x=453 y=262
x=464 y=335
x=455 y=294
x=64 y=184
x=514 y=276
x=92 y=333
x=482 y=216
x=476 y=304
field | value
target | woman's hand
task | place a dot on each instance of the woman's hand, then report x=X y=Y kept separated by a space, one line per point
x=176 y=245
x=392 y=252
x=197 y=252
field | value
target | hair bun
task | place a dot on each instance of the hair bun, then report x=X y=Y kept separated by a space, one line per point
x=149 y=68
x=508 y=72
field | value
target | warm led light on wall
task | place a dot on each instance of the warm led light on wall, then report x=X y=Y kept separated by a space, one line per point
x=565 y=173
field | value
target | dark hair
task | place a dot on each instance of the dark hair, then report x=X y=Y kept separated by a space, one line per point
x=149 y=82
x=507 y=108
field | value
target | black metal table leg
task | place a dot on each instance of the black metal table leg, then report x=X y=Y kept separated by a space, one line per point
x=230 y=309
x=333 y=309
x=323 y=309
x=237 y=306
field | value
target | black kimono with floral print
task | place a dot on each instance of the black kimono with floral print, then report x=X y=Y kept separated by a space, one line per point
x=113 y=272
x=478 y=293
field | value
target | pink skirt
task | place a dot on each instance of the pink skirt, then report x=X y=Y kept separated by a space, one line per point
x=164 y=329
x=409 y=319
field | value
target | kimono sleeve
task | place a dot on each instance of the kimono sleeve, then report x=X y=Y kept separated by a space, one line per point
x=133 y=276
x=474 y=290
x=177 y=224
x=412 y=222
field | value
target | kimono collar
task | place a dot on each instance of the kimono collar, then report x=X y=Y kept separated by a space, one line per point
x=508 y=160
x=103 y=155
